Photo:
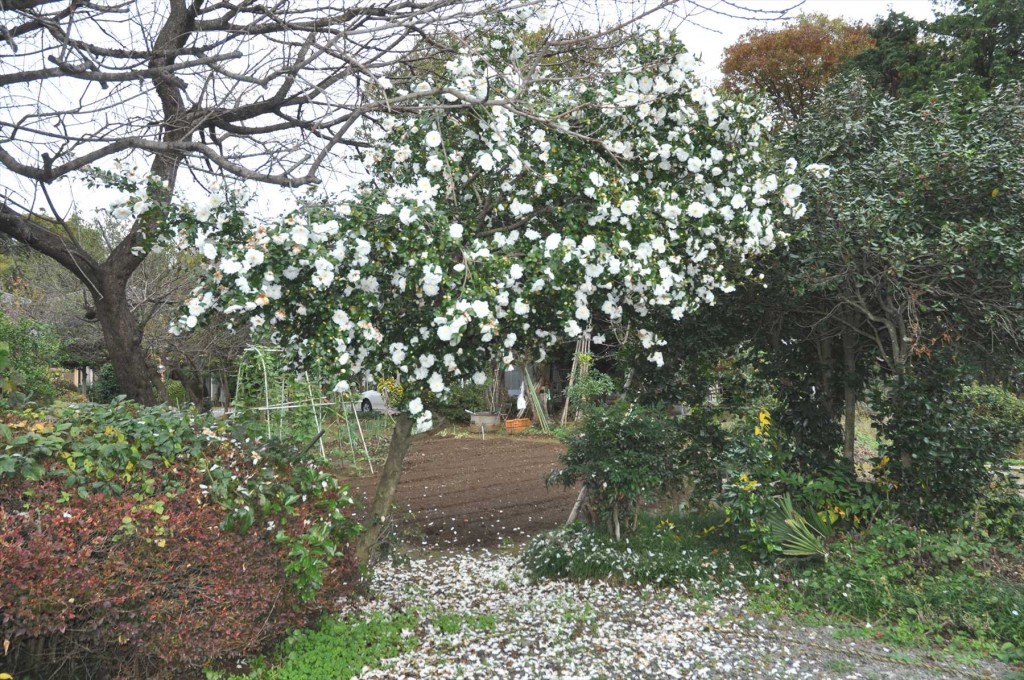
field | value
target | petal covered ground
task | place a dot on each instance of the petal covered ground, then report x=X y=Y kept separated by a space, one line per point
x=595 y=630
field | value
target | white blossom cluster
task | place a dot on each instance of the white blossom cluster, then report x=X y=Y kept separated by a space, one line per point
x=495 y=230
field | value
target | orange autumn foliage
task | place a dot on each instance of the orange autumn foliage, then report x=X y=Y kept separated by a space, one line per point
x=792 y=64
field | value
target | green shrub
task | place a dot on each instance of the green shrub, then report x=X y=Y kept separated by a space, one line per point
x=662 y=551
x=998 y=514
x=462 y=398
x=592 y=386
x=1001 y=411
x=32 y=349
x=930 y=585
x=176 y=394
x=944 y=440
x=761 y=465
x=341 y=648
x=104 y=386
x=624 y=454
x=144 y=542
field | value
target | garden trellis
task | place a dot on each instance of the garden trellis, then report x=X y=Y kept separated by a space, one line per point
x=287 y=404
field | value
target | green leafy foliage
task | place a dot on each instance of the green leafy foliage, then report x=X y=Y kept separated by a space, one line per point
x=176 y=394
x=341 y=648
x=460 y=399
x=976 y=42
x=760 y=469
x=797 y=535
x=624 y=454
x=593 y=385
x=28 y=350
x=662 y=551
x=932 y=586
x=104 y=388
x=945 y=438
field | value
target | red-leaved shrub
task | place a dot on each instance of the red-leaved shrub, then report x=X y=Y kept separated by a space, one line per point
x=143 y=585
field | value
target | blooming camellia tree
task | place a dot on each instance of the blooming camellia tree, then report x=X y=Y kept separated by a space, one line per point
x=500 y=231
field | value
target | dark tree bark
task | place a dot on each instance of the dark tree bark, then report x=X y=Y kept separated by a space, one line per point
x=122 y=334
x=368 y=544
x=849 y=394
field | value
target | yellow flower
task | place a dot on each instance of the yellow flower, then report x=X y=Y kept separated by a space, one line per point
x=764 y=417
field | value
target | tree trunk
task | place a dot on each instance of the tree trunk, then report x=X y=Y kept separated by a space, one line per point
x=827 y=375
x=123 y=338
x=368 y=544
x=849 y=395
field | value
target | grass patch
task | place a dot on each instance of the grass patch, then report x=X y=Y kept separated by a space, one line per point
x=452 y=623
x=341 y=648
x=912 y=588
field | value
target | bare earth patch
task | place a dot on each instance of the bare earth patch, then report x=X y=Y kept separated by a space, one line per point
x=464 y=491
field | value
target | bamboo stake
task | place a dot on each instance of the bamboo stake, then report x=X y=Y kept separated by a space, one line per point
x=572 y=381
x=348 y=431
x=366 y=449
x=542 y=417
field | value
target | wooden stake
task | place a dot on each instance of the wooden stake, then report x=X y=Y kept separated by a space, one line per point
x=577 y=506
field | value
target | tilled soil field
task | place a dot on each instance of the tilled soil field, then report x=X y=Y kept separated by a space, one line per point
x=464 y=491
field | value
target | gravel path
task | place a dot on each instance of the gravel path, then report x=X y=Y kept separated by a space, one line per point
x=565 y=630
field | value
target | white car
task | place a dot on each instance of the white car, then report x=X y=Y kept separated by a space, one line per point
x=372 y=400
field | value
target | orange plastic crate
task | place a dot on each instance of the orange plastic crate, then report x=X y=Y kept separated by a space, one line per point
x=516 y=424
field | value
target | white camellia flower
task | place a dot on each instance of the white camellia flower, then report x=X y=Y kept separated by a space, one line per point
x=415 y=406
x=291 y=272
x=385 y=209
x=629 y=207
x=229 y=266
x=697 y=210
x=434 y=164
x=254 y=257
x=433 y=139
x=552 y=241
x=481 y=308
x=820 y=170
x=485 y=161
x=627 y=99
x=300 y=235
x=455 y=230
x=479 y=378
x=518 y=209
